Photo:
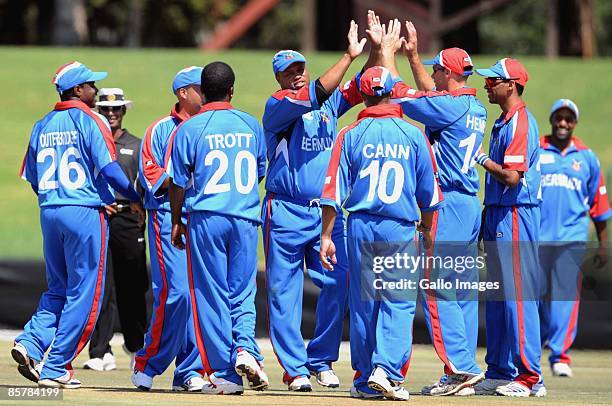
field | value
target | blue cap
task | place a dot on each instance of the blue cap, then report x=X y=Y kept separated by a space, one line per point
x=283 y=59
x=565 y=104
x=186 y=77
x=73 y=74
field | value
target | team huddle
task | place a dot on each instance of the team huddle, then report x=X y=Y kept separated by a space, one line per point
x=200 y=167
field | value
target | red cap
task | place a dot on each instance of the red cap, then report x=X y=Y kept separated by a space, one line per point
x=454 y=59
x=376 y=81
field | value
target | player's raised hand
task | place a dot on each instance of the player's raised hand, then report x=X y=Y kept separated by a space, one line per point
x=178 y=231
x=410 y=43
x=391 y=40
x=374 y=29
x=327 y=253
x=355 y=47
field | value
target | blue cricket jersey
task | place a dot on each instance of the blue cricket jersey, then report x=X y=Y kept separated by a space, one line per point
x=572 y=186
x=68 y=149
x=455 y=124
x=382 y=165
x=221 y=153
x=515 y=146
x=300 y=135
x=154 y=159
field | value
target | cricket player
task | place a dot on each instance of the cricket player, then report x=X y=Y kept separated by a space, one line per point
x=222 y=152
x=70 y=164
x=511 y=228
x=300 y=125
x=382 y=172
x=171 y=334
x=454 y=122
x=572 y=186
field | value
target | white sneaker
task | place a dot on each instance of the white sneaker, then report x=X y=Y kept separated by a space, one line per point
x=247 y=365
x=356 y=393
x=328 y=378
x=27 y=367
x=514 y=389
x=561 y=369
x=455 y=383
x=539 y=390
x=109 y=362
x=488 y=386
x=221 y=386
x=379 y=381
x=142 y=381
x=300 y=384
x=426 y=390
x=193 y=384
x=67 y=381
x=132 y=356
x=467 y=391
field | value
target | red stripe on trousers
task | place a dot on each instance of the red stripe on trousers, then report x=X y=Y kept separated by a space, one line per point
x=531 y=378
x=194 y=306
x=432 y=307
x=93 y=311
x=571 y=328
x=158 y=325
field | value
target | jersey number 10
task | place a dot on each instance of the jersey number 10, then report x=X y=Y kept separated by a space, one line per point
x=378 y=180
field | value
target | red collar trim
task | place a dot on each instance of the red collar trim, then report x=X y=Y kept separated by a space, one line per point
x=464 y=91
x=71 y=104
x=576 y=143
x=381 y=111
x=180 y=115
x=216 y=106
x=513 y=111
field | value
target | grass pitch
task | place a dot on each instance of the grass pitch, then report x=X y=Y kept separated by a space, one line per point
x=591 y=384
x=146 y=77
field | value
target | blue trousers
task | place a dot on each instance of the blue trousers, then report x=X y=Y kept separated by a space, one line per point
x=292 y=232
x=559 y=314
x=452 y=317
x=222 y=264
x=513 y=324
x=381 y=330
x=74 y=244
x=170 y=334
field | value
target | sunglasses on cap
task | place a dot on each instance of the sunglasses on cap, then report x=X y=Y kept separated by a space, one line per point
x=114 y=109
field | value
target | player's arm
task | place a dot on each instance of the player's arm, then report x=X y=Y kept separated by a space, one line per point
x=599 y=210
x=427 y=191
x=177 y=198
x=508 y=177
x=28 y=171
x=327 y=252
x=153 y=176
x=182 y=160
x=410 y=48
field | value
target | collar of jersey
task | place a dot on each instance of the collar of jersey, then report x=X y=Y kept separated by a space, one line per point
x=179 y=115
x=503 y=119
x=219 y=105
x=381 y=111
x=71 y=104
x=575 y=146
x=469 y=91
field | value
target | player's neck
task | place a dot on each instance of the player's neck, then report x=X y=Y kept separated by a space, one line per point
x=510 y=103
x=455 y=85
x=560 y=144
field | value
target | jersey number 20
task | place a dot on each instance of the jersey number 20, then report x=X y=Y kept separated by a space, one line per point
x=242 y=158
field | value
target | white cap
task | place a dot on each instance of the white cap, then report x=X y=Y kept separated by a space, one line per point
x=112 y=96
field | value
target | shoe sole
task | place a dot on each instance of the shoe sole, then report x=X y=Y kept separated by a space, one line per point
x=470 y=382
x=255 y=381
x=303 y=388
x=93 y=369
x=52 y=383
x=24 y=367
x=513 y=395
x=328 y=385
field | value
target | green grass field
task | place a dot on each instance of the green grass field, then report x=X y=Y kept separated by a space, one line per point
x=591 y=384
x=146 y=75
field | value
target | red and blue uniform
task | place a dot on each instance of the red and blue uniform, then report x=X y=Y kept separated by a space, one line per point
x=382 y=172
x=454 y=123
x=300 y=134
x=171 y=333
x=221 y=153
x=573 y=190
x=68 y=152
x=511 y=228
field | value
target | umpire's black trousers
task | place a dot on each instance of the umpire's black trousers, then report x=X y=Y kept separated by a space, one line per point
x=125 y=288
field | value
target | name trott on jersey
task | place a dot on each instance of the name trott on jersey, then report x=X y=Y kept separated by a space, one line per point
x=229 y=140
